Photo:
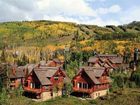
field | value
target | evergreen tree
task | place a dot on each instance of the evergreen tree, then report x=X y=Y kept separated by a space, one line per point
x=3 y=56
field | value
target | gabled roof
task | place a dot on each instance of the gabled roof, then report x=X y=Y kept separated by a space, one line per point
x=30 y=67
x=49 y=71
x=116 y=60
x=94 y=73
x=19 y=73
x=92 y=76
x=93 y=59
x=41 y=75
x=107 y=55
x=102 y=59
x=44 y=73
x=57 y=60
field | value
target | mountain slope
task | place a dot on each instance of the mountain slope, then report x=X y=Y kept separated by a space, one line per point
x=41 y=33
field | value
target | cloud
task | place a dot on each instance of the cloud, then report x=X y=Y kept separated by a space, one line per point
x=112 y=9
x=65 y=7
x=83 y=20
x=25 y=5
x=132 y=14
x=79 y=11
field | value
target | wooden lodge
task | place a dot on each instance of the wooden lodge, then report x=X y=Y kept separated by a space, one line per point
x=99 y=62
x=16 y=76
x=45 y=83
x=52 y=63
x=92 y=82
x=110 y=61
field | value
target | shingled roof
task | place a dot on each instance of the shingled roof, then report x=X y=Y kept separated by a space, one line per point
x=93 y=59
x=107 y=55
x=41 y=75
x=116 y=60
x=44 y=73
x=94 y=73
x=19 y=73
x=49 y=71
x=92 y=76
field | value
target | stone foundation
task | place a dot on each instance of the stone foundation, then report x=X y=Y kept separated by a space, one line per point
x=47 y=95
x=97 y=94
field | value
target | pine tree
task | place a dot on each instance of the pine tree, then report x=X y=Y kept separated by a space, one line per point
x=3 y=56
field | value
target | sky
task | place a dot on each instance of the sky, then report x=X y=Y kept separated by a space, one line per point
x=93 y=12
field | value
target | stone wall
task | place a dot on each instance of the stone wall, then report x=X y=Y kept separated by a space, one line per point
x=97 y=94
x=47 y=95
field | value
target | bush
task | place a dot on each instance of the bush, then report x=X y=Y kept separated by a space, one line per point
x=136 y=78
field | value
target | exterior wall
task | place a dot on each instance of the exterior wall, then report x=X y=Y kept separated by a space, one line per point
x=59 y=74
x=52 y=64
x=97 y=94
x=56 y=94
x=96 y=65
x=15 y=83
x=46 y=96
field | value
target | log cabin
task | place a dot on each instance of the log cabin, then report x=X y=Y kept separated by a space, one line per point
x=92 y=82
x=45 y=83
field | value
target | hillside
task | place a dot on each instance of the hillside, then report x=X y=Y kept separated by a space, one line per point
x=31 y=38
x=42 y=33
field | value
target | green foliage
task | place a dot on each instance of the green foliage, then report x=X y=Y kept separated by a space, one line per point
x=72 y=69
x=136 y=77
x=23 y=61
x=3 y=56
x=68 y=87
x=119 y=81
x=41 y=33
x=3 y=97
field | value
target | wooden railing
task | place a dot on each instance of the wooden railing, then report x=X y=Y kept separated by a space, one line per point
x=90 y=90
x=32 y=90
x=82 y=90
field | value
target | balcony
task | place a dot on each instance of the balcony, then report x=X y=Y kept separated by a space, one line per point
x=32 y=90
x=75 y=89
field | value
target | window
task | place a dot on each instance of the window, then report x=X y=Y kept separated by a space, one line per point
x=31 y=85
x=80 y=85
x=56 y=78
x=37 y=86
x=96 y=94
x=73 y=84
x=85 y=86
x=77 y=85
x=26 y=83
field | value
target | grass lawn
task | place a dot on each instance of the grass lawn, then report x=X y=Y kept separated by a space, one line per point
x=123 y=97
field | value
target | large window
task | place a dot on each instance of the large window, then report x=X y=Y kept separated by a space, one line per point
x=26 y=83
x=80 y=85
x=37 y=86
